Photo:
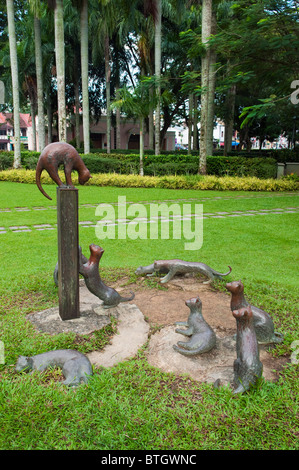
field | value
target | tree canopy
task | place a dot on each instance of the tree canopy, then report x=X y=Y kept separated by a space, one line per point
x=252 y=48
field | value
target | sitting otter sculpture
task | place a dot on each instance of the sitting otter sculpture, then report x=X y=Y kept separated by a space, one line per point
x=56 y=154
x=247 y=367
x=75 y=367
x=263 y=323
x=202 y=337
x=93 y=281
x=178 y=266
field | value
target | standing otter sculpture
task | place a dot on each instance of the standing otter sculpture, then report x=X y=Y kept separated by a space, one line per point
x=202 y=337
x=56 y=154
x=178 y=266
x=263 y=323
x=93 y=281
x=75 y=367
x=247 y=367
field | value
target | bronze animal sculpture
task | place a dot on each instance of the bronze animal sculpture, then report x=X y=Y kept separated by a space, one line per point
x=263 y=323
x=202 y=337
x=75 y=367
x=247 y=367
x=178 y=266
x=93 y=281
x=56 y=154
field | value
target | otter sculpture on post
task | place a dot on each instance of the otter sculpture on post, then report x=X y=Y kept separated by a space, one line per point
x=93 y=281
x=56 y=154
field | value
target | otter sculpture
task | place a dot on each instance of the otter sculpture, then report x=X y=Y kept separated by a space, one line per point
x=75 y=367
x=263 y=323
x=202 y=337
x=247 y=367
x=56 y=154
x=178 y=266
x=93 y=281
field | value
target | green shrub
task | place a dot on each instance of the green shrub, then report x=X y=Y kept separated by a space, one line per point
x=209 y=182
x=6 y=160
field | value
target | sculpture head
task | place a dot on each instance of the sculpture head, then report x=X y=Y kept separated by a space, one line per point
x=96 y=251
x=84 y=175
x=24 y=364
x=244 y=313
x=235 y=287
x=194 y=303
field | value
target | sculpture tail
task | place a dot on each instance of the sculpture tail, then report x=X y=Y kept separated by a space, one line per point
x=127 y=299
x=186 y=352
x=38 y=173
x=224 y=274
x=278 y=337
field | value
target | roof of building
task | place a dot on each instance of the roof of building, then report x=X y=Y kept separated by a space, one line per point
x=7 y=119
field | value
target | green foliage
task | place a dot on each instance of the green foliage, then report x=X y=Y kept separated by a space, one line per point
x=160 y=165
x=198 y=182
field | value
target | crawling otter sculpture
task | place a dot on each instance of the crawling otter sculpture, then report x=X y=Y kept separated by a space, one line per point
x=93 y=281
x=76 y=367
x=202 y=337
x=56 y=154
x=247 y=367
x=263 y=323
x=178 y=266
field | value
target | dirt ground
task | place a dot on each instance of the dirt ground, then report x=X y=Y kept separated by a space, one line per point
x=164 y=307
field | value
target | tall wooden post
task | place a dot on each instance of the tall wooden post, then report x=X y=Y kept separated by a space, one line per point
x=68 y=252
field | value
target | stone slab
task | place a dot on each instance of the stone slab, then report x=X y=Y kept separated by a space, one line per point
x=208 y=367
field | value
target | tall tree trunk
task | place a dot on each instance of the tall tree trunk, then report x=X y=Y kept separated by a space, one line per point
x=60 y=69
x=195 y=128
x=77 y=102
x=108 y=76
x=118 y=123
x=84 y=73
x=211 y=90
x=190 y=122
x=141 y=145
x=49 y=119
x=229 y=119
x=33 y=115
x=158 y=34
x=39 y=80
x=15 y=81
x=205 y=69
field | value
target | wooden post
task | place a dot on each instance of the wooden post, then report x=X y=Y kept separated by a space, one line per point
x=68 y=252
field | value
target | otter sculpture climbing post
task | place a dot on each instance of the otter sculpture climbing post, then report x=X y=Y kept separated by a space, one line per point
x=54 y=155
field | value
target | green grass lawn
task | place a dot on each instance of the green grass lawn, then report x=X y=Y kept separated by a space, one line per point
x=135 y=406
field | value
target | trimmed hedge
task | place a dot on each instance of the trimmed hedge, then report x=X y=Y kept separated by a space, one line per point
x=225 y=183
x=160 y=165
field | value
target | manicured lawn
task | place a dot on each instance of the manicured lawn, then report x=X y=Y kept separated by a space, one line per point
x=134 y=406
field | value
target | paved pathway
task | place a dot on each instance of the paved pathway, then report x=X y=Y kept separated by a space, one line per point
x=206 y=215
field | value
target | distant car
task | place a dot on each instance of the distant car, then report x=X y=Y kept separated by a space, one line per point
x=180 y=147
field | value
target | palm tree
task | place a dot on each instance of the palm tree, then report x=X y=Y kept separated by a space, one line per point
x=57 y=5
x=84 y=73
x=158 y=37
x=136 y=104
x=15 y=82
x=206 y=18
x=82 y=6
x=35 y=7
